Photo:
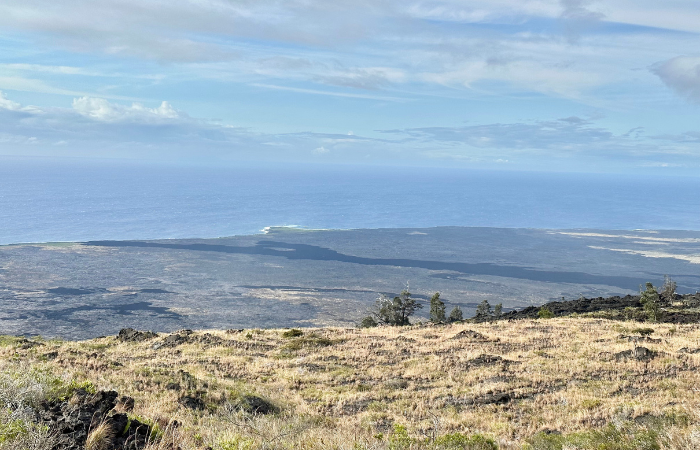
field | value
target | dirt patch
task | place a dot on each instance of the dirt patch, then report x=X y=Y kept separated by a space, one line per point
x=638 y=353
x=487 y=360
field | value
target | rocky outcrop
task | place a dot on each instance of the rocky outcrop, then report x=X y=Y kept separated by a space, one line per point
x=74 y=419
x=680 y=308
x=131 y=335
x=638 y=353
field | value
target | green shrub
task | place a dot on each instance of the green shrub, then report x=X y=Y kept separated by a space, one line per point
x=8 y=341
x=309 y=341
x=23 y=434
x=62 y=391
x=11 y=429
x=459 y=441
x=545 y=313
x=368 y=322
x=294 y=332
x=156 y=431
x=237 y=443
x=545 y=441
x=643 y=331
x=399 y=438
x=611 y=437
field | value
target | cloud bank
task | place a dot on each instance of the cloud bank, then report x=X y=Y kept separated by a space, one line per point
x=575 y=84
x=97 y=127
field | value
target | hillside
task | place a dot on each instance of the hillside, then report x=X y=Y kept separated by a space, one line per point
x=547 y=384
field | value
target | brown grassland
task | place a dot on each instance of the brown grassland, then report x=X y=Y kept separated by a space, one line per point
x=562 y=383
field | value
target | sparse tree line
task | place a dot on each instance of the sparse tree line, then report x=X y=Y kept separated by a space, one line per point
x=397 y=311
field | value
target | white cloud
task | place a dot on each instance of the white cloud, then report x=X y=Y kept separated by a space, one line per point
x=95 y=125
x=682 y=74
x=8 y=104
x=102 y=110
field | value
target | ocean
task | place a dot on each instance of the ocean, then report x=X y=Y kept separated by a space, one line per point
x=78 y=200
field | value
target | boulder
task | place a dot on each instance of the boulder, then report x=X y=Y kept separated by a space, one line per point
x=131 y=335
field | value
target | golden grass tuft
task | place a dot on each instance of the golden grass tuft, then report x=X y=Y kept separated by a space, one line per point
x=100 y=437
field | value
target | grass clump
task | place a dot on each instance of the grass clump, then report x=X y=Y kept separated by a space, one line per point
x=99 y=437
x=399 y=438
x=62 y=391
x=310 y=340
x=625 y=436
x=459 y=441
x=294 y=332
x=21 y=390
x=237 y=443
x=8 y=341
x=23 y=434
x=644 y=332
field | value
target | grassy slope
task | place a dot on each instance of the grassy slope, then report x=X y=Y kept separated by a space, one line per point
x=346 y=388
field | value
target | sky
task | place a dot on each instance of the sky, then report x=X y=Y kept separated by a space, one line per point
x=555 y=85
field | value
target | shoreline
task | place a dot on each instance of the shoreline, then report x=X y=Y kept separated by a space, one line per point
x=302 y=229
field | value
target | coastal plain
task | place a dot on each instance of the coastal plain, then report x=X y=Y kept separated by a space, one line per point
x=290 y=277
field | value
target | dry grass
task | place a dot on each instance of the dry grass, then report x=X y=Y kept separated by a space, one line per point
x=100 y=437
x=346 y=388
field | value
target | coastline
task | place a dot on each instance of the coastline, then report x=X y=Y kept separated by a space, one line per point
x=292 y=277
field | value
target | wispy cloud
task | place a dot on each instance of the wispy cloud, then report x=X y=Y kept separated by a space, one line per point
x=349 y=43
x=682 y=74
x=577 y=17
x=330 y=93
x=566 y=137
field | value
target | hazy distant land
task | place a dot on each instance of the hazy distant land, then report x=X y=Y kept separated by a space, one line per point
x=291 y=277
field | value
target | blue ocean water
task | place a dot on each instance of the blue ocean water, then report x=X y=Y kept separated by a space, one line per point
x=76 y=200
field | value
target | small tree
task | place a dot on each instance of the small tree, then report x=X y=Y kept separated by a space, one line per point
x=498 y=310
x=437 y=309
x=456 y=314
x=668 y=290
x=395 y=311
x=483 y=310
x=650 y=299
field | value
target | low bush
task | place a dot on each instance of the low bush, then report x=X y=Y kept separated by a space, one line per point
x=294 y=332
x=399 y=438
x=611 y=437
x=545 y=313
x=459 y=441
x=309 y=341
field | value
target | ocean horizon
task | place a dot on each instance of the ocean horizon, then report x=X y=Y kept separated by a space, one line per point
x=67 y=200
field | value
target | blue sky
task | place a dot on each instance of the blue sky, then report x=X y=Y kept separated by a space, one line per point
x=560 y=85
